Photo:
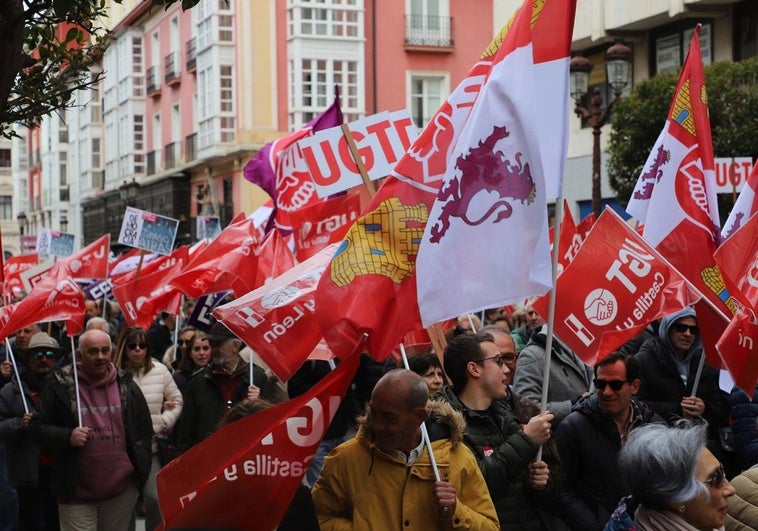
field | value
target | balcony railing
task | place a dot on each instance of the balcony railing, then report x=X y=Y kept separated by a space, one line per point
x=153 y=80
x=150 y=163
x=191 y=55
x=428 y=31
x=171 y=68
x=190 y=147
x=172 y=154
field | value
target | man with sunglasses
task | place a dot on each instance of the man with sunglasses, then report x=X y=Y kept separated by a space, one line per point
x=590 y=438
x=668 y=368
x=29 y=466
x=506 y=452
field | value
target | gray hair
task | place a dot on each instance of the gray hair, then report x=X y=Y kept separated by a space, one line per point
x=98 y=323
x=658 y=464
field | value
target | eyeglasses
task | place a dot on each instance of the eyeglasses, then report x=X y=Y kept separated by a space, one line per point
x=717 y=478
x=141 y=346
x=499 y=359
x=681 y=327
x=39 y=355
x=509 y=357
x=615 y=385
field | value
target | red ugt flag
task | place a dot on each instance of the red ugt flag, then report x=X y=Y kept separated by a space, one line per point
x=737 y=258
x=250 y=469
x=737 y=349
x=613 y=288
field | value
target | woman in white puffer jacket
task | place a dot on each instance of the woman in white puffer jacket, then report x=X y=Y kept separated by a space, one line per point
x=163 y=399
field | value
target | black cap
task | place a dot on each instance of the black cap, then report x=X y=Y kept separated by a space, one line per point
x=219 y=332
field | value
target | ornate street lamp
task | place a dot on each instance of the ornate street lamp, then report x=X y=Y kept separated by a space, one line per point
x=618 y=67
x=128 y=192
x=22 y=222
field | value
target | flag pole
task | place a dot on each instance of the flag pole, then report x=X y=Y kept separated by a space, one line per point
x=551 y=312
x=9 y=355
x=424 y=432
x=358 y=160
x=76 y=382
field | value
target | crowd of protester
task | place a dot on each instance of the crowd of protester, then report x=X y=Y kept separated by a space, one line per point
x=626 y=444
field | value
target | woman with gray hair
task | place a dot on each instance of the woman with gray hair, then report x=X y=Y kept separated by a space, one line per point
x=676 y=480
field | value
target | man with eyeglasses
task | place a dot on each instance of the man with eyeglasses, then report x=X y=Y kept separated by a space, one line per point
x=668 y=368
x=589 y=440
x=98 y=468
x=506 y=452
x=28 y=466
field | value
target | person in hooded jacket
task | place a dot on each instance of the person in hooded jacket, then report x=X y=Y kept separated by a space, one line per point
x=668 y=367
x=383 y=478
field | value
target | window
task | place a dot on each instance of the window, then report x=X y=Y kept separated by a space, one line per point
x=136 y=56
x=226 y=89
x=313 y=88
x=328 y=18
x=62 y=162
x=6 y=207
x=5 y=158
x=225 y=25
x=746 y=29
x=95 y=152
x=428 y=23
x=670 y=46
x=426 y=96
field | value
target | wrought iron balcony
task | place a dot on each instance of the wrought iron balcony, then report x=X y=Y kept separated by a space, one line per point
x=428 y=31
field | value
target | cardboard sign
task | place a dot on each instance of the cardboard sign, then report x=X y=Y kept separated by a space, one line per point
x=55 y=243
x=148 y=231
x=732 y=173
x=207 y=227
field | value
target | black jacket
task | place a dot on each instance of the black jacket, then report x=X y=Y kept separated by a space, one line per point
x=23 y=452
x=662 y=387
x=204 y=404
x=588 y=444
x=57 y=418
x=503 y=452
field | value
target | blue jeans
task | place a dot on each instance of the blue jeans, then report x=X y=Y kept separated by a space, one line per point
x=326 y=446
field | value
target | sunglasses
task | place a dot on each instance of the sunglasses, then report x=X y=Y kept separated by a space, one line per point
x=615 y=385
x=499 y=359
x=680 y=327
x=141 y=346
x=182 y=341
x=39 y=355
x=717 y=478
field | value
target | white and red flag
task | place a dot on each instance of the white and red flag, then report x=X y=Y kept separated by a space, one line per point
x=745 y=206
x=326 y=222
x=249 y=469
x=278 y=320
x=274 y=258
x=494 y=197
x=615 y=285
x=142 y=298
x=675 y=195
x=12 y=269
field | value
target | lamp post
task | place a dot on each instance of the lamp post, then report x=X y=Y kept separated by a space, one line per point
x=128 y=192
x=618 y=64
x=22 y=221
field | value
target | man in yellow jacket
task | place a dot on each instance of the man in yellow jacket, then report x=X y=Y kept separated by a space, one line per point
x=383 y=478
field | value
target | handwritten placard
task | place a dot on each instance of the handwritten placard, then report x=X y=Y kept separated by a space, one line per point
x=148 y=231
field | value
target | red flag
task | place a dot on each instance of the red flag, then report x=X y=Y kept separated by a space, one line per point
x=265 y=454
x=737 y=258
x=274 y=258
x=160 y=262
x=228 y=262
x=278 y=320
x=737 y=349
x=56 y=298
x=613 y=288
x=141 y=300
x=90 y=262
x=745 y=206
x=14 y=266
x=584 y=226
x=327 y=222
x=570 y=240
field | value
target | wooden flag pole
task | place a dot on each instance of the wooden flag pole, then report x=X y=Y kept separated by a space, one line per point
x=358 y=160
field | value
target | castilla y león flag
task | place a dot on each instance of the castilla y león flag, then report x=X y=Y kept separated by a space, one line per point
x=486 y=242
x=615 y=285
x=277 y=320
x=244 y=475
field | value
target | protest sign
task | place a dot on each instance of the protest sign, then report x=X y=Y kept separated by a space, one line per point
x=148 y=231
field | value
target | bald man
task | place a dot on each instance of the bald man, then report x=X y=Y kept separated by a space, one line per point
x=383 y=478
